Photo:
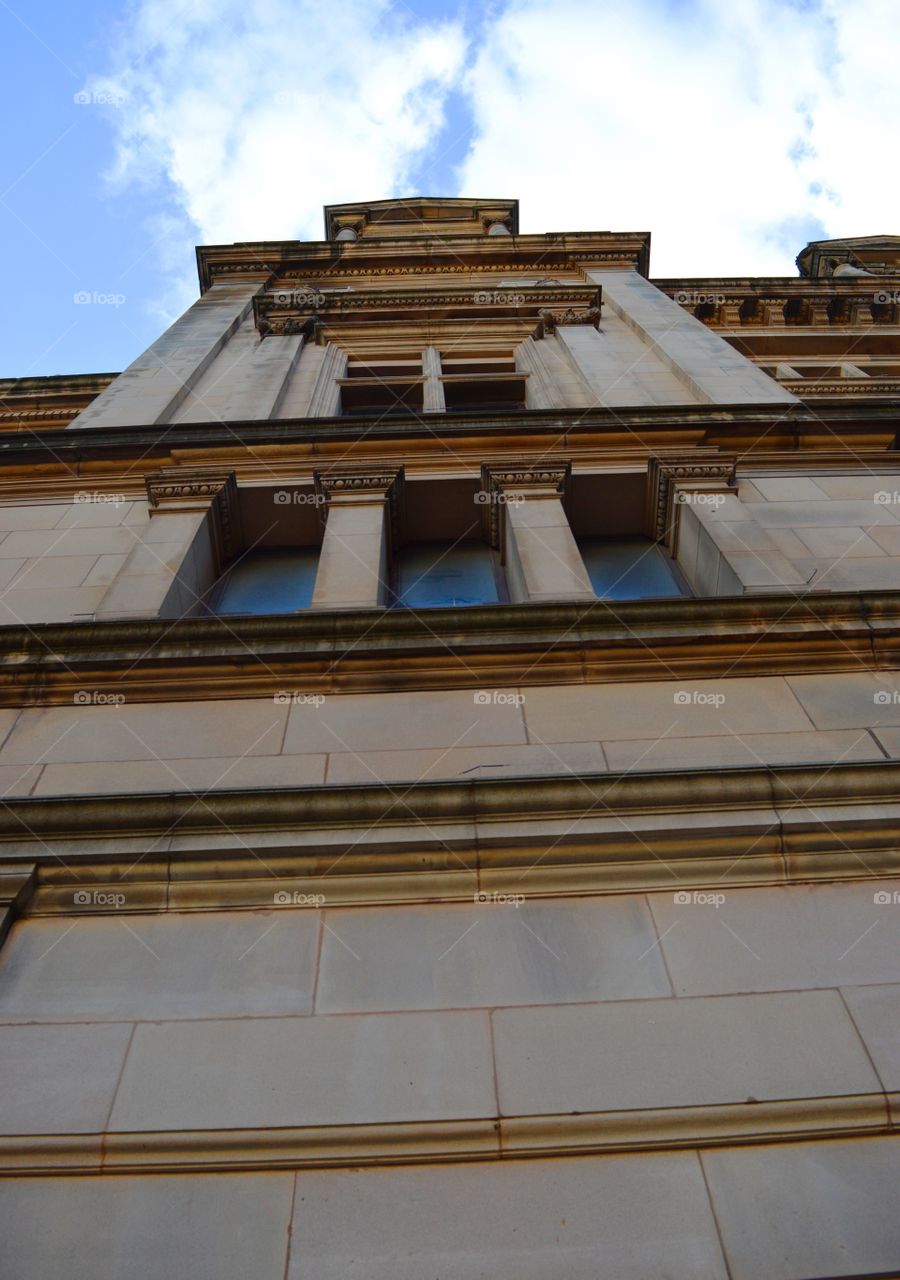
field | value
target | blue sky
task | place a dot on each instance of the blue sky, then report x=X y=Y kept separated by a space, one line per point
x=134 y=131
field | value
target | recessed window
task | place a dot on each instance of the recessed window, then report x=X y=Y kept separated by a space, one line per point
x=629 y=568
x=277 y=581
x=431 y=574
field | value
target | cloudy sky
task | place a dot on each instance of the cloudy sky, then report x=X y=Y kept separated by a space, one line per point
x=733 y=130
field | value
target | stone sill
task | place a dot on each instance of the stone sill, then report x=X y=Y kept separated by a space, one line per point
x=342 y=651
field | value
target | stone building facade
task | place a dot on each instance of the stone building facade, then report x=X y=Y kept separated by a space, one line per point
x=450 y=744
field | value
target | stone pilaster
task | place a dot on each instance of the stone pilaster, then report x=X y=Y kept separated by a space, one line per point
x=194 y=530
x=525 y=518
x=151 y=389
x=362 y=513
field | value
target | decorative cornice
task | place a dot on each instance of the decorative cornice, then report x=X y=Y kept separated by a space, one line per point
x=776 y=303
x=501 y=480
x=284 y=311
x=664 y=472
x=176 y=490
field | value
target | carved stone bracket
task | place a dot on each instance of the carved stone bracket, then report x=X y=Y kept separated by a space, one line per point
x=365 y=484
x=550 y=321
x=502 y=483
x=715 y=471
x=180 y=490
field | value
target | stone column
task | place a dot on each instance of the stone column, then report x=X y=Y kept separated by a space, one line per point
x=361 y=506
x=193 y=531
x=526 y=520
x=152 y=388
x=433 y=399
x=325 y=398
x=554 y=379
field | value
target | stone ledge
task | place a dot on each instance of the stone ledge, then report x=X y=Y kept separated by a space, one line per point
x=450 y=841
x=430 y=1142
x=343 y=651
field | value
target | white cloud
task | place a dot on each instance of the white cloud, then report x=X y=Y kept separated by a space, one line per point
x=728 y=131
x=734 y=133
x=258 y=112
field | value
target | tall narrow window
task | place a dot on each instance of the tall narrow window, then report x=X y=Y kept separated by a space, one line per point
x=430 y=574
x=276 y=581
x=629 y=569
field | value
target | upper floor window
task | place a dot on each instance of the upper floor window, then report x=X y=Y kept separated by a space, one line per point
x=629 y=569
x=430 y=574
x=268 y=581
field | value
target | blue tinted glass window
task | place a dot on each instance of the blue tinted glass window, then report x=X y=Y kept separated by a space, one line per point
x=430 y=574
x=269 y=582
x=628 y=568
